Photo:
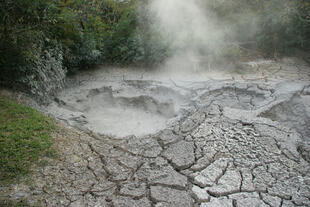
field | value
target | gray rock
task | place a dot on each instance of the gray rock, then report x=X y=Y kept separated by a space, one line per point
x=77 y=203
x=282 y=190
x=218 y=202
x=255 y=202
x=201 y=164
x=167 y=136
x=286 y=203
x=212 y=173
x=167 y=176
x=188 y=125
x=162 y=204
x=147 y=147
x=135 y=190
x=121 y=201
x=271 y=200
x=116 y=171
x=302 y=197
x=229 y=183
x=181 y=154
x=248 y=199
x=130 y=161
x=200 y=194
x=263 y=179
x=247 y=181
x=104 y=188
x=173 y=197
x=193 y=121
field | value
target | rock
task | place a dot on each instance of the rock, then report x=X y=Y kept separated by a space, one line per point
x=77 y=203
x=167 y=136
x=247 y=181
x=282 y=190
x=167 y=176
x=271 y=200
x=229 y=183
x=200 y=194
x=262 y=179
x=147 y=147
x=104 y=188
x=302 y=197
x=162 y=204
x=248 y=199
x=181 y=154
x=188 y=125
x=213 y=172
x=173 y=197
x=286 y=203
x=218 y=202
x=304 y=150
x=134 y=190
x=116 y=172
x=201 y=164
x=130 y=161
x=97 y=201
x=121 y=201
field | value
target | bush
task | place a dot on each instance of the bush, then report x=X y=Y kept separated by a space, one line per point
x=132 y=39
x=48 y=37
x=284 y=27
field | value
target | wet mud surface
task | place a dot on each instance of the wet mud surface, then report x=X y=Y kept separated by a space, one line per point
x=141 y=139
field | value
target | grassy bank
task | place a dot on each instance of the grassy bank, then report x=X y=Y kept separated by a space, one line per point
x=25 y=136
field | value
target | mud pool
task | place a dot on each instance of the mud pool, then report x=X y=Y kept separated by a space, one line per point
x=123 y=102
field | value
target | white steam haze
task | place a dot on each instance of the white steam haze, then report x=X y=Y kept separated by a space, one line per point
x=185 y=24
x=194 y=32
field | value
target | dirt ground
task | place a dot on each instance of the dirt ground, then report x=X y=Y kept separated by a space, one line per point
x=233 y=136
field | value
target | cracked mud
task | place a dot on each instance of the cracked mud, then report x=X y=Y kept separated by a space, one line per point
x=175 y=143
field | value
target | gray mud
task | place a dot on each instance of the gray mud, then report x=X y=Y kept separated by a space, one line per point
x=121 y=108
x=181 y=139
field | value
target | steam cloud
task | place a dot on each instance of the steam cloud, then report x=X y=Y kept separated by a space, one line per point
x=186 y=24
x=194 y=32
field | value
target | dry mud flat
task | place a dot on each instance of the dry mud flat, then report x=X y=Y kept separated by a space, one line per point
x=197 y=141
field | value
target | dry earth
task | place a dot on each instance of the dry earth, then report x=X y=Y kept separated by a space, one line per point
x=229 y=138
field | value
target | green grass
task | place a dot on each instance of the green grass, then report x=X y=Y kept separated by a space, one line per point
x=25 y=136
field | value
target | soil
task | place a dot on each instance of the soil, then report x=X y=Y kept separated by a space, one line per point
x=237 y=136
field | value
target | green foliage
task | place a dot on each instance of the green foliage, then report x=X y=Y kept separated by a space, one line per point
x=122 y=44
x=75 y=34
x=284 y=26
x=24 y=137
x=132 y=39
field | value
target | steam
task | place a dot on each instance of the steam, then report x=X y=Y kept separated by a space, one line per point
x=196 y=35
x=186 y=24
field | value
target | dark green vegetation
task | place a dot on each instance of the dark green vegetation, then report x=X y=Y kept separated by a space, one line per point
x=281 y=25
x=24 y=137
x=44 y=38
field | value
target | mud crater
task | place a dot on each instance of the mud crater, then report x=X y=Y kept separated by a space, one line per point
x=295 y=114
x=239 y=96
x=131 y=108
